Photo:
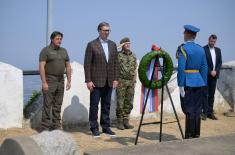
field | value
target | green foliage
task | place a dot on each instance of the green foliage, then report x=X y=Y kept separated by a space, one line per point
x=32 y=99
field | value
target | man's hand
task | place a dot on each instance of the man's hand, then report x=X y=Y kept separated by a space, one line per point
x=68 y=85
x=115 y=84
x=43 y=76
x=182 y=92
x=45 y=87
x=90 y=85
x=213 y=73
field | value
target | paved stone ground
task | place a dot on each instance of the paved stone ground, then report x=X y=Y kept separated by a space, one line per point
x=149 y=133
x=218 y=145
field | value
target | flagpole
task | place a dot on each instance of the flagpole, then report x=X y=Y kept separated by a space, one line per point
x=49 y=21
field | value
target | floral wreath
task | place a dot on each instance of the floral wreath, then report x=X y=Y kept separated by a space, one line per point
x=146 y=60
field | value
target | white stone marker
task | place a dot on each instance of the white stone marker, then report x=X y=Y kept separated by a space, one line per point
x=11 y=100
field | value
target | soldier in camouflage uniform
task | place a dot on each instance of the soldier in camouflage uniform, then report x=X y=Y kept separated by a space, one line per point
x=126 y=84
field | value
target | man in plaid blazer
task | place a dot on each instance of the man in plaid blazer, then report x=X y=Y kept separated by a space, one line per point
x=101 y=74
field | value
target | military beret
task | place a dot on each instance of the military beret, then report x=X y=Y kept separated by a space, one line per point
x=124 y=40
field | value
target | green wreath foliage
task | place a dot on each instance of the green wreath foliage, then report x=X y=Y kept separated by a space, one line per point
x=146 y=60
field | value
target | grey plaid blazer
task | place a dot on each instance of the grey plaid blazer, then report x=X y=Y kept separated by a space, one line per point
x=96 y=67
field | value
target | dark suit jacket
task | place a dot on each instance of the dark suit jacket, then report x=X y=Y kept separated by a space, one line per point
x=96 y=68
x=218 y=61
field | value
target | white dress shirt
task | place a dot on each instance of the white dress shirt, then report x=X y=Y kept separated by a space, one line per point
x=104 y=44
x=213 y=56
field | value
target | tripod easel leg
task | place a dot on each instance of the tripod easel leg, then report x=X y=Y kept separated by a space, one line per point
x=142 y=116
x=162 y=71
x=172 y=104
x=161 y=115
x=176 y=116
x=145 y=103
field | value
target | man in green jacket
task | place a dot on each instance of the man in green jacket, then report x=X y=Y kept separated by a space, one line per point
x=53 y=62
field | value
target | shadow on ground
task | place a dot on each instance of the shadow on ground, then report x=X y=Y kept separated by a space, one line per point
x=156 y=135
x=122 y=140
x=151 y=136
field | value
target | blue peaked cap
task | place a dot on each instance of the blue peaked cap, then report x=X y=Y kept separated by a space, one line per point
x=191 y=28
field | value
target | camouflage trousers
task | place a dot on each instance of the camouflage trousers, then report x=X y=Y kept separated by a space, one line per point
x=125 y=96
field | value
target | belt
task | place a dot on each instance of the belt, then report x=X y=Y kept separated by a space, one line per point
x=55 y=76
x=191 y=71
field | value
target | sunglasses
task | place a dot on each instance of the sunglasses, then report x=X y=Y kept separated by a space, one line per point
x=106 y=30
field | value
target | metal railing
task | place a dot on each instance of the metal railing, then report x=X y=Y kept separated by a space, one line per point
x=36 y=72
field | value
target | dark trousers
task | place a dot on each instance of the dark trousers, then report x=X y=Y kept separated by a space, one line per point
x=205 y=101
x=52 y=101
x=211 y=93
x=192 y=107
x=103 y=94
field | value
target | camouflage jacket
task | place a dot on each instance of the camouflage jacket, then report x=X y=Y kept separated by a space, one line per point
x=127 y=65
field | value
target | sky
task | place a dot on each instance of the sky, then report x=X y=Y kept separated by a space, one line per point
x=23 y=26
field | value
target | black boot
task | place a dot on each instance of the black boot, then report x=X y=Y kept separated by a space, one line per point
x=120 y=125
x=203 y=116
x=197 y=128
x=127 y=125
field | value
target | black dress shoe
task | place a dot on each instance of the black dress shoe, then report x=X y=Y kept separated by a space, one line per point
x=212 y=116
x=109 y=132
x=95 y=133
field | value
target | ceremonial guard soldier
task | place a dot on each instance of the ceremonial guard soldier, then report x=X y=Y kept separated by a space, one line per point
x=192 y=80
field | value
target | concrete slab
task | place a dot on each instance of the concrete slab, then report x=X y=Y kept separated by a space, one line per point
x=220 y=145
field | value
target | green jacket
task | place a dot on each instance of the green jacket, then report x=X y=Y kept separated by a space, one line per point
x=127 y=65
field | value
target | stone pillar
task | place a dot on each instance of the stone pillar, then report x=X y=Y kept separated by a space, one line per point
x=11 y=100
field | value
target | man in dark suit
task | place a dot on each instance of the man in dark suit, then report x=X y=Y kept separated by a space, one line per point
x=101 y=74
x=214 y=61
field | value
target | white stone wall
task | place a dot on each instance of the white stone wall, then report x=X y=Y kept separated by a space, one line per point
x=226 y=83
x=220 y=104
x=75 y=108
x=11 y=100
x=173 y=87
